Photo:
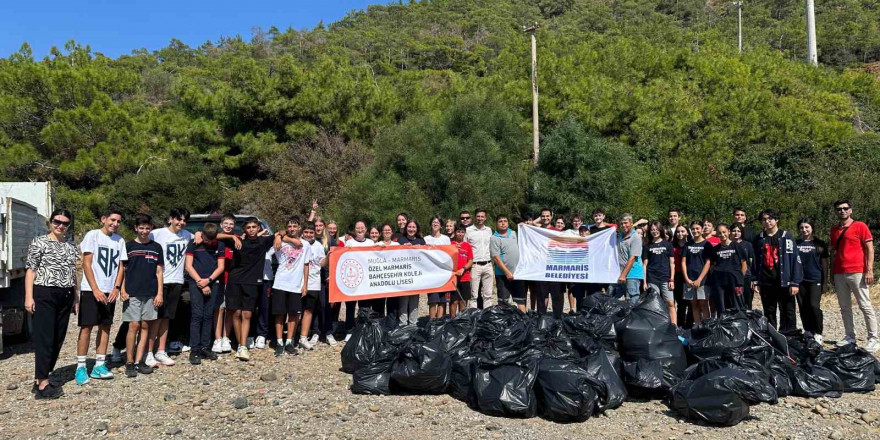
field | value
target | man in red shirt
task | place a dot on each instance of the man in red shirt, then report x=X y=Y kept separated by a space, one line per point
x=853 y=271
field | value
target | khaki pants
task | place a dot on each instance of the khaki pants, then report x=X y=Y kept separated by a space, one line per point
x=482 y=279
x=847 y=285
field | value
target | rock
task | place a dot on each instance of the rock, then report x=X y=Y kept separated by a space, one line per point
x=276 y=402
x=240 y=402
x=493 y=427
x=861 y=410
x=804 y=404
x=419 y=412
x=12 y=386
x=836 y=435
x=869 y=418
x=173 y=430
x=689 y=431
x=497 y=435
x=169 y=397
x=374 y=408
x=102 y=426
x=223 y=414
x=268 y=377
x=820 y=410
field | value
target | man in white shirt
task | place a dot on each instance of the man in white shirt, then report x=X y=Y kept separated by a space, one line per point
x=173 y=240
x=479 y=236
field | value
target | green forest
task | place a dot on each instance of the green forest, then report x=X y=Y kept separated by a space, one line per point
x=425 y=106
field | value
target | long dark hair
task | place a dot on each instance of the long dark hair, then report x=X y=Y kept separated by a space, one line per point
x=418 y=229
x=66 y=213
x=660 y=229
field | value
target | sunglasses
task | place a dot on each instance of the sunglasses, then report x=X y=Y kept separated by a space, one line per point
x=60 y=223
x=464 y=218
x=841 y=209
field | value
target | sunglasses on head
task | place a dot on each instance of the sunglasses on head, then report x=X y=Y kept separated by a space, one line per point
x=60 y=223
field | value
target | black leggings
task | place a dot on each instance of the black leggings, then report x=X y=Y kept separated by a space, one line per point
x=808 y=300
x=684 y=316
x=556 y=294
x=51 y=316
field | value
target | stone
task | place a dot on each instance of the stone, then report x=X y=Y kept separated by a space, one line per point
x=169 y=397
x=836 y=435
x=223 y=414
x=173 y=430
x=240 y=402
x=12 y=386
x=869 y=418
x=268 y=377
x=374 y=408
x=102 y=426
x=418 y=412
x=861 y=410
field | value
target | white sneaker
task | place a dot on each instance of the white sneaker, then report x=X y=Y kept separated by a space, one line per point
x=331 y=341
x=818 y=339
x=845 y=341
x=218 y=346
x=305 y=344
x=243 y=354
x=873 y=345
x=185 y=348
x=260 y=343
x=226 y=345
x=175 y=346
x=151 y=360
x=116 y=356
x=347 y=337
x=163 y=359
x=314 y=340
x=249 y=343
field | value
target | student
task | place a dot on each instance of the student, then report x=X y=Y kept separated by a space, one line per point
x=436 y=300
x=291 y=282
x=141 y=294
x=103 y=253
x=729 y=264
x=598 y=226
x=449 y=229
x=324 y=323
x=379 y=305
x=358 y=239
x=629 y=257
x=402 y=219
x=50 y=296
x=739 y=216
x=258 y=336
x=246 y=280
x=814 y=258
x=222 y=316
x=461 y=295
x=709 y=232
x=684 y=317
x=659 y=260
x=779 y=272
x=205 y=264
x=577 y=221
x=174 y=240
x=673 y=217
x=559 y=223
x=695 y=261
x=853 y=268
x=737 y=234
x=408 y=306
x=505 y=254
x=313 y=289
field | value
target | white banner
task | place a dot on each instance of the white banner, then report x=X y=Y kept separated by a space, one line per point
x=547 y=255
x=375 y=272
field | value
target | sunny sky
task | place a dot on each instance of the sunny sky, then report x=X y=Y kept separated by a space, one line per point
x=117 y=27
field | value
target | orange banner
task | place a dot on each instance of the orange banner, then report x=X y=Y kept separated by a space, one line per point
x=381 y=272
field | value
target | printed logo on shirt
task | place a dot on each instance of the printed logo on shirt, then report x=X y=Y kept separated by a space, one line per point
x=108 y=260
x=725 y=253
x=292 y=254
x=657 y=250
x=176 y=253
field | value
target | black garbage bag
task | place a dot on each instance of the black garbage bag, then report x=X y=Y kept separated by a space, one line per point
x=814 y=381
x=853 y=365
x=403 y=335
x=461 y=379
x=649 y=379
x=511 y=344
x=507 y=390
x=764 y=334
x=455 y=337
x=430 y=328
x=780 y=377
x=712 y=337
x=373 y=379
x=609 y=386
x=493 y=321
x=605 y=304
x=802 y=348
x=552 y=341
x=709 y=399
x=365 y=344
x=565 y=392
x=593 y=325
x=647 y=334
x=422 y=368
x=753 y=387
x=877 y=370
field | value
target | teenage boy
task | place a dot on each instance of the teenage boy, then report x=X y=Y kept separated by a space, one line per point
x=222 y=317
x=141 y=294
x=291 y=279
x=779 y=270
x=673 y=221
x=246 y=280
x=739 y=216
x=103 y=252
x=174 y=239
x=505 y=255
x=462 y=294
x=598 y=225
x=205 y=264
x=313 y=290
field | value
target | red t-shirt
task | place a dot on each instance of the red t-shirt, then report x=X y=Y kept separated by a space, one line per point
x=465 y=254
x=676 y=253
x=850 y=256
x=713 y=240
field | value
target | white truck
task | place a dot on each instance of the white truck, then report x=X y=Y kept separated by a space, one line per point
x=24 y=210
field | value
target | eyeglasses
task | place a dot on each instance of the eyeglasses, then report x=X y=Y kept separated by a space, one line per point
x=60 y=223
x=842 y=209
x=464 y=218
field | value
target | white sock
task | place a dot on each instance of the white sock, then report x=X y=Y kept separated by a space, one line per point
x=161 y=352
x=280 y=342
x=99 y=359
x=289 y=342
x=80 y=362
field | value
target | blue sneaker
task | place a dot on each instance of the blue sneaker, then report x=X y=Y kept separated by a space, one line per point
x=82 y=376
x=101 y=372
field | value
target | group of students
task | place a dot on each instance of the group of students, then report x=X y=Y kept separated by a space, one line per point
x=700 y=270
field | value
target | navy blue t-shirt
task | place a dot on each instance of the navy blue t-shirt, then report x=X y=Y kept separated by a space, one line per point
x=749 y=249
x=140 y=269
x=417 y=241
x=657 y=255
x=205 y=256
x=696 y=255
x=812 y=252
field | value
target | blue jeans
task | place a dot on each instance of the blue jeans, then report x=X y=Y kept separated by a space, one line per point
x=631 y=288
x=201 y=324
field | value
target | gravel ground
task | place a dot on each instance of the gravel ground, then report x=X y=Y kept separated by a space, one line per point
x=307 y=396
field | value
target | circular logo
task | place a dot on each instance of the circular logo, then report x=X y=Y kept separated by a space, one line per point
x=352 y=273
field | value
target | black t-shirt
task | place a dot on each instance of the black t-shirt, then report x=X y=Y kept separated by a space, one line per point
x=417 y=241
x=140 y=269
x=770 y=257
x=728 y=257
x=812 y=252
x=657 y=255
x=248 y=262
x=696 y=255
x=205 y=257
x=749 y=249
x=594 y=229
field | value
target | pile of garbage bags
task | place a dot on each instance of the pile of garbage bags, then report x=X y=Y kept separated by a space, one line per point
x=503 y=362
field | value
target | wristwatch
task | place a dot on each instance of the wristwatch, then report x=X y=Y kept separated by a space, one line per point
x=118 y=287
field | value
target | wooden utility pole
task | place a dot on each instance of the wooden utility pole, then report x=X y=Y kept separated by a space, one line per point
x=812 y=57
x=535 y=133
x=739 y=34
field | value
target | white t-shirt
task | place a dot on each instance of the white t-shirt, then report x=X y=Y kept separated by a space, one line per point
x=108 y=253
x=354 y=243
x=291 y=260
x=268 y=275
x=437 y=241
x=317 y=256
x=382 y=243
x=174 y=248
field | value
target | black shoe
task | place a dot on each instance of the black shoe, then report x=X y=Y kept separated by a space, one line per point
x=48 y=393
x=291 y=349
x=208 y=354
x=130 y=370
x=35 y=388
x=279 y=350
x=143 y=368
x=195 y=357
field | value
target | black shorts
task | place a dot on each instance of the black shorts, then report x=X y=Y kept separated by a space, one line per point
x=220 y=299
x=286 y=303
x=515 y=289
x=170 y=299
x=91 y=312
x=462 y=292
x=310 y=300
x=438 y=298
x=242 y=296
